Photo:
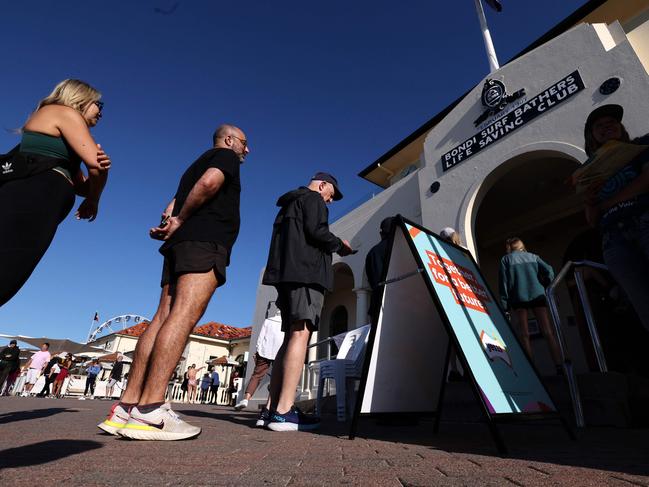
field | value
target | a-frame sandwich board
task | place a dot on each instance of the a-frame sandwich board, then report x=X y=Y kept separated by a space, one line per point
x=434 y=291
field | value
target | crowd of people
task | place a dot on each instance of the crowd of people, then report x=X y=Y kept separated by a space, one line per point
x=198 y=230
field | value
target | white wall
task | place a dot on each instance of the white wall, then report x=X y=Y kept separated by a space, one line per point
x=598 y=53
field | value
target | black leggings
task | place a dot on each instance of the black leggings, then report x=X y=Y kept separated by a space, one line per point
x=30 y=211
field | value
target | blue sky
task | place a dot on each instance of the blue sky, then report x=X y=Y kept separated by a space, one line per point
x=315 y=86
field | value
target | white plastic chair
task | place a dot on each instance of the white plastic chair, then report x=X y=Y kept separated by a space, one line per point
x=347 y=364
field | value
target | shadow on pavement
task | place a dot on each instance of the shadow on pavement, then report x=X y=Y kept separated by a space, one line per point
x=230 y=416
x=44 y=452
x=609 y=449
x=33 y=414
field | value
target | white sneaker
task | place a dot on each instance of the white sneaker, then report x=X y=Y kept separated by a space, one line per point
x=160 y=424
x=241 y=405
x=117 y=418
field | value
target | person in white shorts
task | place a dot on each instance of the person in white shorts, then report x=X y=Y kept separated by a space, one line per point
x=35 y=366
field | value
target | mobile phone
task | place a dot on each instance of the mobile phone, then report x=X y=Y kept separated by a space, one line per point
x=163 y=221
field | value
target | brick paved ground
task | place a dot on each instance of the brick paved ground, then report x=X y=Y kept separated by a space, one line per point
x=44 y=441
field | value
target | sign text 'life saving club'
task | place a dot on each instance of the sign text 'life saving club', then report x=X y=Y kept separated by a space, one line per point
x=554 y=95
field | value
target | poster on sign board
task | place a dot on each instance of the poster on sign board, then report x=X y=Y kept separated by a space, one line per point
x=506 y=380
x=433 y=296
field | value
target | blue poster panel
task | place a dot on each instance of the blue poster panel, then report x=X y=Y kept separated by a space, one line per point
x=505 y=378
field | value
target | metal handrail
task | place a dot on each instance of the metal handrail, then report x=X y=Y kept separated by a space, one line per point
x=590 y=321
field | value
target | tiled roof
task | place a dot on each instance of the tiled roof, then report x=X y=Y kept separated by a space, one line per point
x=135 y=330
x=219 y=330
x=211 y=329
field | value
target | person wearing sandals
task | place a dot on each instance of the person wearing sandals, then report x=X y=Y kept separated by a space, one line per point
x=56 y=140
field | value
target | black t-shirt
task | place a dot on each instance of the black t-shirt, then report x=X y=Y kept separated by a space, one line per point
x=218 y=219
x=116 y=373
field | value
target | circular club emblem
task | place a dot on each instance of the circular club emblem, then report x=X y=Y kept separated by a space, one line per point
x=609 y=86
x=493 y=93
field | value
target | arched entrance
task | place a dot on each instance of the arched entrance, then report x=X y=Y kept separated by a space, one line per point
x=529 y=197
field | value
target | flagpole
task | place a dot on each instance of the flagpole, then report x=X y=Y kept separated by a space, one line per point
x=92 y=323
x=488 y=44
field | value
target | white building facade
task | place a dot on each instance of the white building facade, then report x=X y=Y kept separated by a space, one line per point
x=505 y=175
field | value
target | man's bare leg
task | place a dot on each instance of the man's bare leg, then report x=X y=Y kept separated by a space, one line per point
x=292 y=364
x=138 y=370
x=193 y=293
x=277 y=377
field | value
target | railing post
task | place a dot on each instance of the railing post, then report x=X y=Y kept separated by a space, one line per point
x=597 y=345
x=567 y=363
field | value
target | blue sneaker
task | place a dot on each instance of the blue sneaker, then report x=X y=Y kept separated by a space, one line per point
x=294 y=420
x=264 y=418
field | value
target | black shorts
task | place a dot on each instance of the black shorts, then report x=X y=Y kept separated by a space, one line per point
x=297 y=302
x=192 y=257
x=539 y=302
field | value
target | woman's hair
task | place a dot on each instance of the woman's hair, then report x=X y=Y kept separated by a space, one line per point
x=591 y=145
x=514 y=243
x=455 y=238
x=71 y=93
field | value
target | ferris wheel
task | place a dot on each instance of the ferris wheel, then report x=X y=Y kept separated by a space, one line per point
x=114 y=325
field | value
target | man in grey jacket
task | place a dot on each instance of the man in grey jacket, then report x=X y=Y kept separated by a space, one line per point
x=299 y=266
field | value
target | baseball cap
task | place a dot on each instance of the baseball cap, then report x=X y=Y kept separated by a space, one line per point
x=447 y=233
x=325 y=176
x=615 y=111
x=13 y=342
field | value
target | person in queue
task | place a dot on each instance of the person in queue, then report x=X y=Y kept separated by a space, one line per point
x=199 y=228
x=619 y=209
x=299 y=267
x=522 y=280
x=56 y=139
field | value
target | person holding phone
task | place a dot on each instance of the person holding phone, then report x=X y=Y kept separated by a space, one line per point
x=56 y=137
x=299 y=267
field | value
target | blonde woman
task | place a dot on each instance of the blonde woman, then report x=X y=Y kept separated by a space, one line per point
x=55 y=140
x=522 y=280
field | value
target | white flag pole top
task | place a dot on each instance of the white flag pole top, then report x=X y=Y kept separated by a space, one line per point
x=488 y=44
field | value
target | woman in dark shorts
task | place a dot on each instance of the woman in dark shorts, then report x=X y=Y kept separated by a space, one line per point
x=57 y=137
x=522 y=281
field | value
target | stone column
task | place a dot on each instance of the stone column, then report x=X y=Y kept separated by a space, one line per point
x=362 y=305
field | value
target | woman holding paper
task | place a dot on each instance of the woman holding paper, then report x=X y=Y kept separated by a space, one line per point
x=619 y=207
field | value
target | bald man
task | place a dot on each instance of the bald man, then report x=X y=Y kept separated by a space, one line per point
x=198 y=228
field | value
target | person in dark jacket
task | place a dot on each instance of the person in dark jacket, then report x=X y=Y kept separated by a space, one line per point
x=49 y=376
x=9 y=361
x=522 y=280
x=374 y=262
x=299 y=266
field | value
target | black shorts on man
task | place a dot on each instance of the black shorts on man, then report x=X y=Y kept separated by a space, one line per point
x=194 y=258
x=297 y=302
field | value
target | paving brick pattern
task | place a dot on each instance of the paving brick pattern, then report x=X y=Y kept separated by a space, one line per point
x=43 y=441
